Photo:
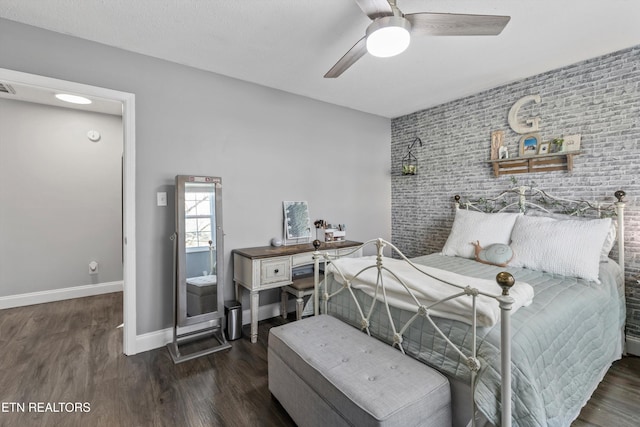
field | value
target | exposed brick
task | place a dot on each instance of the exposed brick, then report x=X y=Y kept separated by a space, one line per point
x=598 y=98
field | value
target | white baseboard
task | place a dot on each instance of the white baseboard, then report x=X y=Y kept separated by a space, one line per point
x=633 y=345
x=162 y=337
x=267 y=311
x=153 y=340
x=42 y=297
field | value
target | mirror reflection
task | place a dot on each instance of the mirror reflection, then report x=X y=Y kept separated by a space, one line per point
x=200 y=214
x=199 y=279
x=296 y=220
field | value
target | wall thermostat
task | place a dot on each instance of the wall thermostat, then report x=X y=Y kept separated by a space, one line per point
x=93 y=135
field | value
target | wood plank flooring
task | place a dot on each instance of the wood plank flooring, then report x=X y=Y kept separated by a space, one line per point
x=71 y=351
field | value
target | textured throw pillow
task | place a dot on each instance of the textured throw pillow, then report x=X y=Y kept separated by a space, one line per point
x=569 y=248
x=471 y=226
x=608 y=242
x=497 y=254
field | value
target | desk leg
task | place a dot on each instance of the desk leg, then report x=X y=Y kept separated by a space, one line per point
x=254 y=304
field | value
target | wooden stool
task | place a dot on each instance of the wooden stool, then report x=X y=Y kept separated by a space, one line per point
x=300 y=288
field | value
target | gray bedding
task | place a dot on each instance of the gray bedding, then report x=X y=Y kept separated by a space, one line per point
x=561 y=344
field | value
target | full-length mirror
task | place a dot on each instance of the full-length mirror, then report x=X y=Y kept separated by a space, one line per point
x=199 y=273
x=200 y=264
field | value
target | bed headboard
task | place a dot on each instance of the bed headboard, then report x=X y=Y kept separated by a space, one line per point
x=526 y=198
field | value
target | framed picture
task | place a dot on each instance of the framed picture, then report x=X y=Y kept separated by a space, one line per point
x=543 y=148
x=572 y=142
x=529 y=144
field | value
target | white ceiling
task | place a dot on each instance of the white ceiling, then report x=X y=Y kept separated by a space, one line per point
x=291 y=44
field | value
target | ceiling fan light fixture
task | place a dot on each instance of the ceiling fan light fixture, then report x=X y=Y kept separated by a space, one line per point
x=388 y=36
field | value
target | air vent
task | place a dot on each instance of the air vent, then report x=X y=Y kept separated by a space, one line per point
x=4 y=87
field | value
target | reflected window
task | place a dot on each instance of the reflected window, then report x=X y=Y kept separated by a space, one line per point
x=199 y=212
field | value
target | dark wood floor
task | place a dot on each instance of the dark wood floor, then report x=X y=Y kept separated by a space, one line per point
x=71 y=351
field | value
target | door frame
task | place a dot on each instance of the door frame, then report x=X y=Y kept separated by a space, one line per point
x=129 y=188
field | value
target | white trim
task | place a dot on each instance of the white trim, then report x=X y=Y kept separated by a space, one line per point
x=633 y=345
x=160 y=338
x=42 y=297
x=268 y=311
x=153 y=340
x=129 y=205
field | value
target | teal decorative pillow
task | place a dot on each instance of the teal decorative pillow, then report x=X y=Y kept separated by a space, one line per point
x=496 y=254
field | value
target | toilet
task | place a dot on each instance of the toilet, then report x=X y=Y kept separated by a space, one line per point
x=202 y=294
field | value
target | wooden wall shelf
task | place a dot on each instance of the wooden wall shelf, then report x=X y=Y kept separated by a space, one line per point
x=530 y=164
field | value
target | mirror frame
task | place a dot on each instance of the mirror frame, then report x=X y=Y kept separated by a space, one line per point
x=180 y=288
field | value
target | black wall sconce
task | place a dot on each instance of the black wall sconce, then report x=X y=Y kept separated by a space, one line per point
x=409 y=162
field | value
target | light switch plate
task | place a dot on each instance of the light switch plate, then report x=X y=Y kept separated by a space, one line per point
x=162 y=198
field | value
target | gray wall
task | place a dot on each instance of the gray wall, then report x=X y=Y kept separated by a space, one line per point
x=267 y=145
x=60 y=204
x=599 y=99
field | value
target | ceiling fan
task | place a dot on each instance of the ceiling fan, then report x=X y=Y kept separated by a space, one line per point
x=390 y=32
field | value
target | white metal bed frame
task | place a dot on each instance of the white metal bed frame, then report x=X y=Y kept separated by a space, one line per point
x=525 y=197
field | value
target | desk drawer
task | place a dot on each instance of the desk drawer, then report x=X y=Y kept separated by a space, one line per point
x=275 y=270
x=302 y=259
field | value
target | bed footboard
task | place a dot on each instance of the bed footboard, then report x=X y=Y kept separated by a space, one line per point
x=388 y=281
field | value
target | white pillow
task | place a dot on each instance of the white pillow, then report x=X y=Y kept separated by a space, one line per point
x=569 y=247
x=608 y=242
x=471 y=226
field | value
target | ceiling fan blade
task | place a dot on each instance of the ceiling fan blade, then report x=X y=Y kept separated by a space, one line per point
x=451 y=24
x=375 y=8
x=349 y=58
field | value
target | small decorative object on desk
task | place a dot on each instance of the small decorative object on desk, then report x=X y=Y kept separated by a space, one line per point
x=329 y=232
x=276 y=242
x=503 y=153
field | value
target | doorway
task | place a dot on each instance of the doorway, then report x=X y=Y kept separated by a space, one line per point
x=128 y=182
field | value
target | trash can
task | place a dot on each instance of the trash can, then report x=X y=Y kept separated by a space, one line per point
x=233 y=313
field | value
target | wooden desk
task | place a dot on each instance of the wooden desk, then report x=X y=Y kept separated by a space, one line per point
x=267 y=267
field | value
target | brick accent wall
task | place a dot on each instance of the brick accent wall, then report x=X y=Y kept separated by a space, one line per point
x=598 y=98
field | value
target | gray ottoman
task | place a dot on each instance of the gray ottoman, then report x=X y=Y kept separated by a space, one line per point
x=326 y=372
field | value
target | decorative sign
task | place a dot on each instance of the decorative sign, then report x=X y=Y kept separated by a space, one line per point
x=572 y=142
x=497 y=141
x=530 y=125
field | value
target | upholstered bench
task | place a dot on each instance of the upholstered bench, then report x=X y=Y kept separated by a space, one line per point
x=327 y=373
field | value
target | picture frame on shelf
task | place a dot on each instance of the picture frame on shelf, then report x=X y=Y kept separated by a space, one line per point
x=543 y=148
x=572 y=142
x=529 y=144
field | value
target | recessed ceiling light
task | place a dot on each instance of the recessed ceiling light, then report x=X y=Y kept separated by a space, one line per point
x=74 y=99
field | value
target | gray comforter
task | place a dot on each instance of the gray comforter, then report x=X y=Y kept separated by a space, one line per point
x=561 y=344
